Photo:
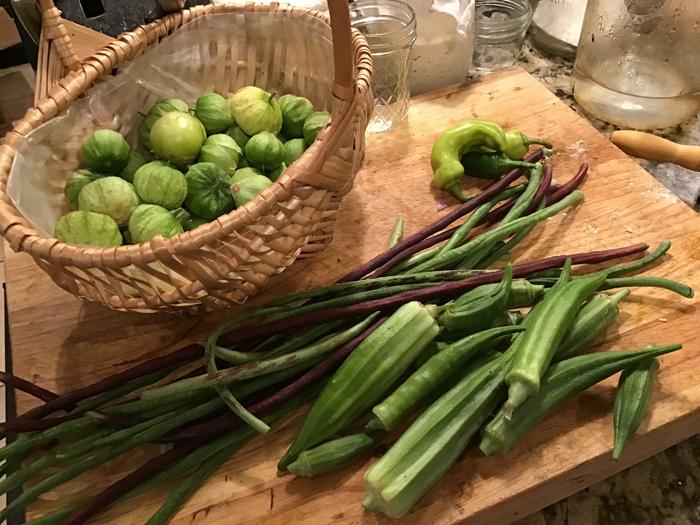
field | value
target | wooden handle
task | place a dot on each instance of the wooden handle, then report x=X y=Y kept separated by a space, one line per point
x=342 y=42
x=651 y=147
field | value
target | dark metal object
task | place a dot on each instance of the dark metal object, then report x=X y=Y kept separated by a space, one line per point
x=113 y=17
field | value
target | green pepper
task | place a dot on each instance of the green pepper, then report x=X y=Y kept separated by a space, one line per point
x=490 y=165
x=458 y=140
x=518 y=144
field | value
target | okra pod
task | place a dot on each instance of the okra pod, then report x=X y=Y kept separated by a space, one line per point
x=478 y=313
x=365 y=376
x=562 y=381
x=396 y=408
x=432 y=444
x=331 y=455
x=632 y=401
x=546 y=326
x=593 y=319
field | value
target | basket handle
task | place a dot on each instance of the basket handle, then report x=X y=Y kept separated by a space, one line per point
x=341 y=32
x=54 y=30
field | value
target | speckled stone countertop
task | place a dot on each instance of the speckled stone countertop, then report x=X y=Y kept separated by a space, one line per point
x=664 y=489
x=556 y=74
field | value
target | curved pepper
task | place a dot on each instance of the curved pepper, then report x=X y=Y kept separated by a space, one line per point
x=518 y=143
x=458 y=140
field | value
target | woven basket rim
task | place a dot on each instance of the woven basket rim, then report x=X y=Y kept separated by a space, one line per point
x=23 y=236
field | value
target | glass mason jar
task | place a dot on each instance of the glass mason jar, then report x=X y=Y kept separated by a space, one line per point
x=500 y=27
x=638 y=62
x=390 y=29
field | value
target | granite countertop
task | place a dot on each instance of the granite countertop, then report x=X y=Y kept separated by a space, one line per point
x=664 y=489
x=556 y=74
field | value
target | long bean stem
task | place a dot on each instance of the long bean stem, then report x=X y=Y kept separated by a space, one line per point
x=571 y=185
x=187 y=353
x=654 y=282
x=160 y=463
x=101 y=456
x=230 y=375
x=225 y=421
x=188 y=486
x=525 y=199
x=443 y=290
x=27 y=386
x=335 y=290
x=415 y=250
x=498 y=233
x=645 y=261
x=490 y=192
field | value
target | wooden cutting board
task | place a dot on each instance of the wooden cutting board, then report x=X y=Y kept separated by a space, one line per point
x=62 y=343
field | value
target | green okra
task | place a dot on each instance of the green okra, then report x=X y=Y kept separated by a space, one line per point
x=370 y=371
x=562 y=381
x=592 y=320
x=331 y=455
x=396 y=408
x=432 y=444
x=632 y=401
x=546 y=327
x=508 y=318
x=477 y=312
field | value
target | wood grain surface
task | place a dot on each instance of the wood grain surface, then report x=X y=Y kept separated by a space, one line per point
x=62 y=343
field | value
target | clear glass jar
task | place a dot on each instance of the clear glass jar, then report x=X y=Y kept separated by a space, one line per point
x=638 y=62
x=390 y=29
x=500 y=27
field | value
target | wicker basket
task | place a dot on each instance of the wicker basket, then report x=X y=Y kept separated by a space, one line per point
x=224 y=262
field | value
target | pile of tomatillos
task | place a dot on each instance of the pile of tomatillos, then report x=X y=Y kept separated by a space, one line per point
x=192 y=166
